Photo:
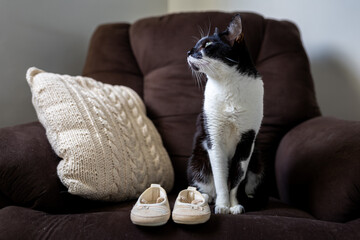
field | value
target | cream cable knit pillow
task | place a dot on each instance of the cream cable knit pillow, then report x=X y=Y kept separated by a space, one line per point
x=110 y=149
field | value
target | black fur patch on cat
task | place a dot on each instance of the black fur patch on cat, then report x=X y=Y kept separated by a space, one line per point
x=242 y=152
x=246 y=64
x=243 y=149
x=200 y=169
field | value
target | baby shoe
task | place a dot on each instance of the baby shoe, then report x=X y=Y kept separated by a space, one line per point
x=152 y=208
x=191 y=207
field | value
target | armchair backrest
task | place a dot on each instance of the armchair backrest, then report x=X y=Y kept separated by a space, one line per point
x=150 y=56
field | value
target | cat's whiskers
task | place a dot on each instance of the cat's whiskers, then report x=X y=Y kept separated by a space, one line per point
x=196 y=39
x=199 y=79
x=195 y=76
x=232 y=60
x=202 y=34
x=208 y=33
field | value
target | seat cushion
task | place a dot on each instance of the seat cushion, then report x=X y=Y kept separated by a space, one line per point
x=113 y=222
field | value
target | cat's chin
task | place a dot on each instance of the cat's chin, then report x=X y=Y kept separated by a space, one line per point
x=194 y=67
x=194 y=63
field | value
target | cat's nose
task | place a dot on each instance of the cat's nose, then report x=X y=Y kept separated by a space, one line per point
x=190 y=52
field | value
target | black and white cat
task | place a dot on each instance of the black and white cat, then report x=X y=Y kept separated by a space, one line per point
x=231 y=118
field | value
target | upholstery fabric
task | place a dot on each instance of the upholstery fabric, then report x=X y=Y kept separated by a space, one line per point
x=110 y=58
x=279 y=221
x=110 y=150
x=316 y=179
x=26 y=152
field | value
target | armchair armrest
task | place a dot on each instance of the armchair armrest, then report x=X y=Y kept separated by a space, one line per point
x=28 y=175
x=318 y=168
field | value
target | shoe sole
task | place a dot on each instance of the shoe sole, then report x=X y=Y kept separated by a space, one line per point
x=149 y=222
x=190 y=220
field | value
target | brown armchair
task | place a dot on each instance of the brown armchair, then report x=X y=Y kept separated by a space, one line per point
x=313 y=162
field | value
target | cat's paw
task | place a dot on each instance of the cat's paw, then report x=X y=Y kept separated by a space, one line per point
x=221 y=209
x=237 y=209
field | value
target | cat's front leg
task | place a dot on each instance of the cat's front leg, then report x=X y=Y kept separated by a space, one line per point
x=220 y=169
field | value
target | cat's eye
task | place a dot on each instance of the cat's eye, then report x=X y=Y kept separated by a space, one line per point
x=208 y=44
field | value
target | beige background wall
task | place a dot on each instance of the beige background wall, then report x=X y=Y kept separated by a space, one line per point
x=54 y=35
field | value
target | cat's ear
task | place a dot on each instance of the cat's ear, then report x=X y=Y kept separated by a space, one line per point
x=216 y=32
x=234 y=30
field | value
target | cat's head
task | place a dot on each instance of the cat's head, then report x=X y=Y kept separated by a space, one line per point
x=218 y=51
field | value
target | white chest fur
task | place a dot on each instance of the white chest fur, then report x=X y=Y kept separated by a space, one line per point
x=233 y=105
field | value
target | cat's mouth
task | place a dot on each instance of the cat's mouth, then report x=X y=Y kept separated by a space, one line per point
x=196 y=63
x=193 y=66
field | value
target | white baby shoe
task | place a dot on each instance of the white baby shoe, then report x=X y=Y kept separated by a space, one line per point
x=191 y=207
x=152 y=208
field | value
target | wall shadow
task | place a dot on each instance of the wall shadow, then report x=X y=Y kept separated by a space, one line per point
x=337 y=86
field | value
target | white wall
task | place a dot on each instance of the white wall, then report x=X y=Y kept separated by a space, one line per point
x=53 y=35
x=331 y=36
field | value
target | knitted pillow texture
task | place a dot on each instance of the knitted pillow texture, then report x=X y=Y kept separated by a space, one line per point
x=110 y=150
